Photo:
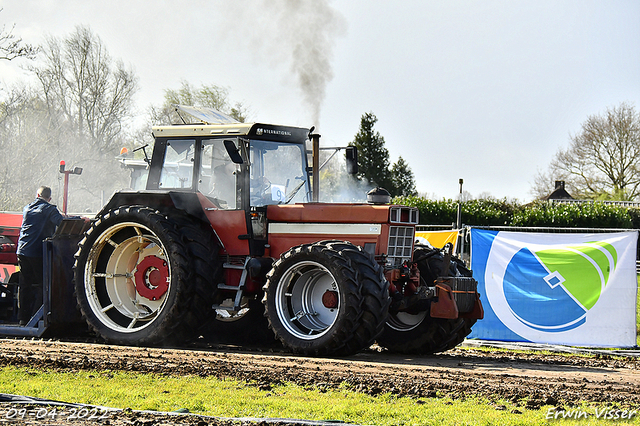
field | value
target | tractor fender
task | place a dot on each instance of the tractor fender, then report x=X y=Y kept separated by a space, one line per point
x=165 y=202
x=160 y=200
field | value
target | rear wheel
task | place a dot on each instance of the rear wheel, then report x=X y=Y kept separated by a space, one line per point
x=420 y=333
x=326 y=298
x=142 y=280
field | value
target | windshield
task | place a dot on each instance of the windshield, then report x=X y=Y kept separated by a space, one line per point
x=277 y=173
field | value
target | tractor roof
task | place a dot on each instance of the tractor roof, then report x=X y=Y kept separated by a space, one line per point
x=216 y=123
x=250 y=130
x=202 y=129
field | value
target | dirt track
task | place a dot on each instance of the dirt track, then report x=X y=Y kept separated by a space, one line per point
x=529 y=380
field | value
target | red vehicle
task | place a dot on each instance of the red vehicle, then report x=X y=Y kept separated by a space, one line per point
x=9 y=233
x=229 y=229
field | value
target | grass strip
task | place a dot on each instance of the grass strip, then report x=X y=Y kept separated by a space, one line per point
x=231 y=398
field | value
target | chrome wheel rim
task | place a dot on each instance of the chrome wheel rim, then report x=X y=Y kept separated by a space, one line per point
x=299 y=300
x=127 y=277
x=403 y=321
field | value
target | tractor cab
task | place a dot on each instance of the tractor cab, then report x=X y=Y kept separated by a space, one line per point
x=234 y=166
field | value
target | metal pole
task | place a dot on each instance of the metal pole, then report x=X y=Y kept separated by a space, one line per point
x=65 y=192
x=459 y=219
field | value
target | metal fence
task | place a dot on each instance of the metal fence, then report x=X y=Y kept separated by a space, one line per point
x=464 y=238
x=633 y=204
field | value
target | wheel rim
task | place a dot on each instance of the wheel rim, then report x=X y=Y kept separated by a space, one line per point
x=299 y=300
x=127 y=277
x=403 y=321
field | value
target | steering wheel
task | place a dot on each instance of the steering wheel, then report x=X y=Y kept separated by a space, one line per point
x=260 y=191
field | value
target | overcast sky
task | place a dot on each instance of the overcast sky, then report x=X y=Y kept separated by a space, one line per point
x=481 y=90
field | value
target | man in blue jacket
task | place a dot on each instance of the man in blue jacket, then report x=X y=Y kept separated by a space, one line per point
x=39 y=221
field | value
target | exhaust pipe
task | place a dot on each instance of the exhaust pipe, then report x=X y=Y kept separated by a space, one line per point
x=315 y=188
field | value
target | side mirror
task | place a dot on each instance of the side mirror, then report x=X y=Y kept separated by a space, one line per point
x=352 y=160
x=232 y=150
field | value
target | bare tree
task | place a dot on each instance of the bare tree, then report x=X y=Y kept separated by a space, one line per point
x=602 y=160
x=91 y=92
x=12 y=47
x=26 y=146
x=76 y=113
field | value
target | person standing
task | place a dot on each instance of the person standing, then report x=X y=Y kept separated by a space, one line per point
x=39 y=221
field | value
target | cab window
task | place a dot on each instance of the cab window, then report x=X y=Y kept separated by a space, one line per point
x=177 y=169
x=218 y=175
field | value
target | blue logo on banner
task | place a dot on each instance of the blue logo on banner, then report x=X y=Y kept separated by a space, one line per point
x=536 y=297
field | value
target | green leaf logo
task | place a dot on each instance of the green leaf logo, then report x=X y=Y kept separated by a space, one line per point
x=582 y=270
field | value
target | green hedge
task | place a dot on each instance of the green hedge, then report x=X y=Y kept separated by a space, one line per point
x=634 y=214
x=577 y=215
x=431 y=212
x=536 y=214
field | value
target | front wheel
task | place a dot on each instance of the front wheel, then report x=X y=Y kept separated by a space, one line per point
x=420 y=333
x=326 y=298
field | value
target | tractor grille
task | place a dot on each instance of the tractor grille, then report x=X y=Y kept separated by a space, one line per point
x=400 y=245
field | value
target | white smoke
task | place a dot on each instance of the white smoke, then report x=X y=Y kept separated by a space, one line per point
x=336 y=185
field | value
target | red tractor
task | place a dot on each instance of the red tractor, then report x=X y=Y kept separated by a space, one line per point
x=229 y=227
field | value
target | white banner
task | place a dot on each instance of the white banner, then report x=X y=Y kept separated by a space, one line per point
x=573 y=289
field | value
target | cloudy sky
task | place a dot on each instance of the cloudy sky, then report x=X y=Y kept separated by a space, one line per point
x=485 y=90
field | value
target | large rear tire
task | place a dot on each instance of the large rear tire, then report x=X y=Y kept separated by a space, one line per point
x=420 y=333
x=140 y=279
x=327 y=298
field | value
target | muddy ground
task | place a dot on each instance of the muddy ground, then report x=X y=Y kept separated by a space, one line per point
x=529 y=380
